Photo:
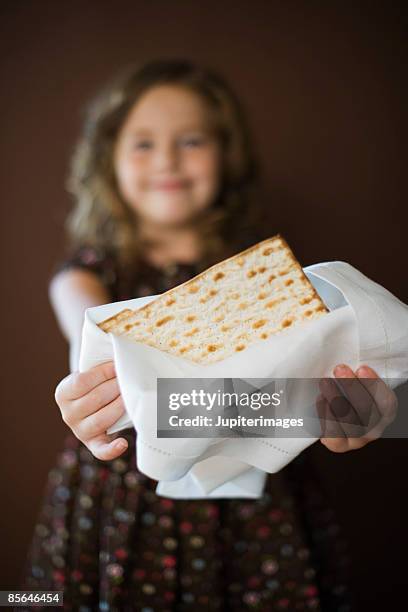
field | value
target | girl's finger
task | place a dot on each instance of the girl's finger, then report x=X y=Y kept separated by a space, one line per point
x=98 y=423
x=78 y=384
x=340 y=406
x=334 y=438
x=321 y=412
x=99 y=397
x=358 y=395
x=106 y=449
x=332 y=428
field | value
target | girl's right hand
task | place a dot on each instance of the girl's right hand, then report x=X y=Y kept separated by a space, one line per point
x=90 y=402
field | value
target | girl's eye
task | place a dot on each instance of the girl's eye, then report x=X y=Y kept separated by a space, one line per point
x=142 y=145
x=192 y=142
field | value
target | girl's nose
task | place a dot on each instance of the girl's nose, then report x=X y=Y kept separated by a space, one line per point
x=166 y=158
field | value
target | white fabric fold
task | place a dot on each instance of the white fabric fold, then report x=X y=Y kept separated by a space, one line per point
x=366 y=324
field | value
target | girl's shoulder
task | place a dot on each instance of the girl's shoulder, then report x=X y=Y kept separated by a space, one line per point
x=93 y=259
x=123 y=280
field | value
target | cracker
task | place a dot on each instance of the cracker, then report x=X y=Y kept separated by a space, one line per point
x=242 y=300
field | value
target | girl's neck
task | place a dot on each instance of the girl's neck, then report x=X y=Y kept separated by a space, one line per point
x=165 y=245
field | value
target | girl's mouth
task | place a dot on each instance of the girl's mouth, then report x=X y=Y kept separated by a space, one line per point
x=170 y=185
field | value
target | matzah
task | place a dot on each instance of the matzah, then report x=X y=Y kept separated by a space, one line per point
x=239 y=301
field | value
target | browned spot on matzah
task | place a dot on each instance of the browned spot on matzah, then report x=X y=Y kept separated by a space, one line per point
x=110 y=323
x=203 y=301
x=164 y=320
x=287 y=322
x=190 y=318
x=225 y=328
x=306 y=300
x=262 y=295
x=243 y=305
x=320 y=309
x=267 y=251
x=251 y=273
x=288 y=282
x=262 y=269
x=308 y=312
x=211 y=348
x=273 y=302
x=240 y=347
x=170 y=301
x=218 y=276
x=173 y=343
x=193 y=289
x=259 y=323
x=271 y=278
x=184 y=349
x=192 y=331
x=240 y=261
x=219 y=319
x=212 y=292
x=264 y=336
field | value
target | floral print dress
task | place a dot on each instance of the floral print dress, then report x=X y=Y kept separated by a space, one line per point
x=110 y=543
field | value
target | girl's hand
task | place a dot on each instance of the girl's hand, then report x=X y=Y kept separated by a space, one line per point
x=370 y=406
x=90 y=402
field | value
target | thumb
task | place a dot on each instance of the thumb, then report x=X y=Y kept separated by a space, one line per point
x=106 y=449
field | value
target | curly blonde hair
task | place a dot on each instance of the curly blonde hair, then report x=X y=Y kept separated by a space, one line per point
x=101 y=219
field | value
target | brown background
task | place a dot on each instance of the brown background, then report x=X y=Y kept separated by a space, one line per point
x=324 y=86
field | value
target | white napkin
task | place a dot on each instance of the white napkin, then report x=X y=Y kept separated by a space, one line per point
x=366 y=325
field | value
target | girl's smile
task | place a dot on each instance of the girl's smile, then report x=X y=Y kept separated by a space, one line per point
x=170 y=185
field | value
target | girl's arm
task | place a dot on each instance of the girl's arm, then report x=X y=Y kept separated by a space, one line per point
x=90 y=402
x=71 y=292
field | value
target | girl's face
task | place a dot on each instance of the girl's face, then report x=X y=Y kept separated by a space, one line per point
x=167 y=159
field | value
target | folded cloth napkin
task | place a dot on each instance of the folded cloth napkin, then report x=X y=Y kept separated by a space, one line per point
x=366 y=325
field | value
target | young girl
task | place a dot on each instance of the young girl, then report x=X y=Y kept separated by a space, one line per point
x=163 y=177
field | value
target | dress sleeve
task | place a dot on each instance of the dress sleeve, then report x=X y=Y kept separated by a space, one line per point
x=92 y=259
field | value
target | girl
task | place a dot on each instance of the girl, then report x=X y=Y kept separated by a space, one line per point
x=163 y=178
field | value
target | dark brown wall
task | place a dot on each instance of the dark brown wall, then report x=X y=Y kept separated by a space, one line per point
x=324 y=84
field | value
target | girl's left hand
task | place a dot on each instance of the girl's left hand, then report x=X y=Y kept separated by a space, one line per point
x=361 y=417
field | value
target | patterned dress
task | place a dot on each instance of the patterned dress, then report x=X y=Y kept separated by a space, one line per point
x=110 y=543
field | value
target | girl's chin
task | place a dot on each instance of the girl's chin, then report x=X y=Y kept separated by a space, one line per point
x=170 y=215
x=171 y=220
